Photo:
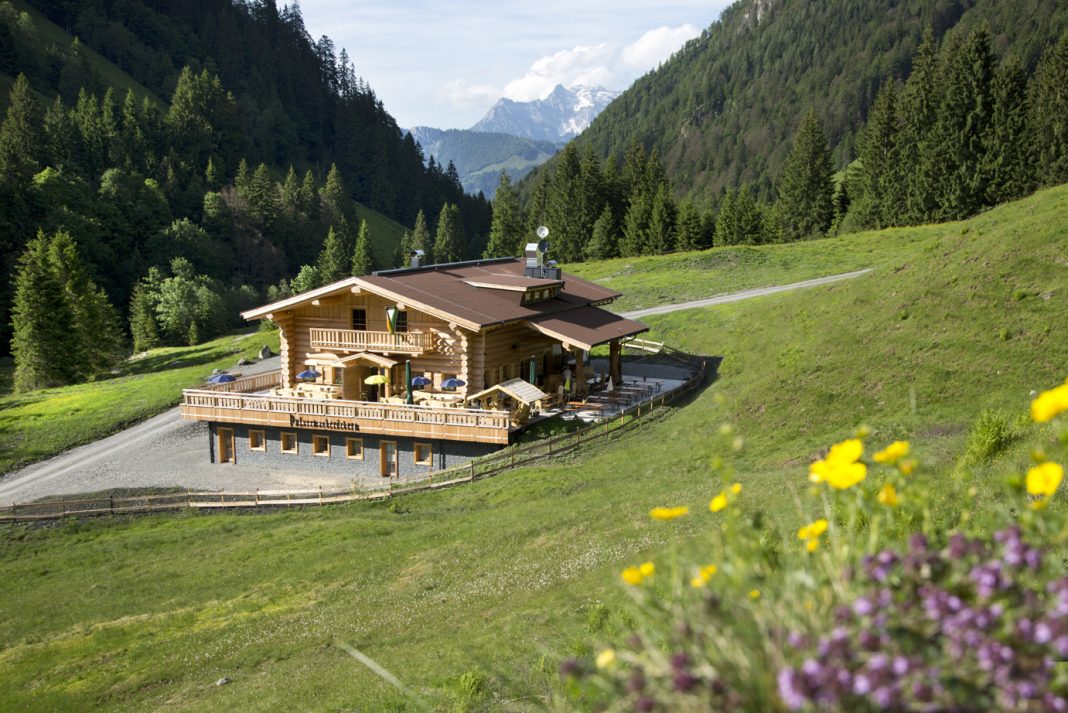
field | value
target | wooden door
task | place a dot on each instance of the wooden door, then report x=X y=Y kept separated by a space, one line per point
x=389 y=459
x=226 y=446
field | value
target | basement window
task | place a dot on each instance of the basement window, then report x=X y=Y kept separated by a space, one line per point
x=289 y=442
x=423 y=454
x=354 y=448
x=256 y=441
x=321 y=446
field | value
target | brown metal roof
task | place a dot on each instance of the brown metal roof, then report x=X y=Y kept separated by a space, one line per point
x=443 y=290
x=586 y=327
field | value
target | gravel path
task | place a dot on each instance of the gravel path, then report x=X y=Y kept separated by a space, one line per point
x=742 y=295
x=166 y=451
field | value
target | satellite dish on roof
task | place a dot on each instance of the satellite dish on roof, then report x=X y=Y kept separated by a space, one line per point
x=542 y=232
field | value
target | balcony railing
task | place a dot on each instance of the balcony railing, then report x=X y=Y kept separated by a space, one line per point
x=460 y=424
x=361 y=340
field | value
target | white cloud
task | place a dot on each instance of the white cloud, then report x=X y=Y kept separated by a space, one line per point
x=657 y=45
x=459 y=93
x=605 y=64
x=584 y=64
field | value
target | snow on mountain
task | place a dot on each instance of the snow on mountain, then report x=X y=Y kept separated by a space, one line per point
x=561 y=116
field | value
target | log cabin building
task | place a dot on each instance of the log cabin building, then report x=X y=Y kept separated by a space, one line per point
x=405 y=371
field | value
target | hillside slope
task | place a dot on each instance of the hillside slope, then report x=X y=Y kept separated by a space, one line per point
x=497 y=581
x=722 y=109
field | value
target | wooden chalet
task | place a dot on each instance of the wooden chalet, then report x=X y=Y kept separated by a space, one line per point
x=414 y=369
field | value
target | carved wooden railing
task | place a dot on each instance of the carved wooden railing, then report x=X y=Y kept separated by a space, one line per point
x=195 y=399
x=361 y=340
x=256 y=382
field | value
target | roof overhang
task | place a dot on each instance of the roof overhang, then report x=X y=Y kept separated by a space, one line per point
x=585 y=327
x=518 y=389
x=339 y=362
x=331 y=290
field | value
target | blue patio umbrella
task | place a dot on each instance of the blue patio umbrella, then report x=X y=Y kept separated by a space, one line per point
x=309 y=374
x=418 y=381
x=222 y=379
x=452 y=383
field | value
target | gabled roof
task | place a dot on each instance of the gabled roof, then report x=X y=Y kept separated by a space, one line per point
x=586 y=327
x=518 y=389
x=446 y=291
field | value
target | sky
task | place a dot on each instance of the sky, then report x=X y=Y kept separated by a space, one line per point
x=444 y=64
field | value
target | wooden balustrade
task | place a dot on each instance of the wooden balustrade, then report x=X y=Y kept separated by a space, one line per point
x=462 y=424
x=359 y=340
x=256 y=382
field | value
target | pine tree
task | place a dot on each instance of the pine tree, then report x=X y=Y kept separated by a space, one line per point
x=449 y=239
x=563 y=208
x=402 y=256
x=604 y=243
x=635 y=226
x=1049 y=114
x=507 y=226
x=41 y=320
x=421 y=238
x=20 y=140
x=660 y=234
x=363 y=262
x=805 y=186
x=334 y=260
x=741 y=219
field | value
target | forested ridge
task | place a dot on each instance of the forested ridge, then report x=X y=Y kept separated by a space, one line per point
x=721 y=111
x=251 y=147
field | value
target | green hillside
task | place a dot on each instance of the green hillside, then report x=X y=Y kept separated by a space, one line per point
x=717 y=112
x=472 y=596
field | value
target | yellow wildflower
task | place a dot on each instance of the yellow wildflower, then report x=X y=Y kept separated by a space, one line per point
x=647 y=569
x=662 y=513
x=736 y=488
x=1050 y=404
x=840 y=468
x=812 y=545
x=892 y=453
x=606 y=658
x=632 y=575
x=810 y=534
x=887 y=496
x=1044 y=478
x=703 y=575
x=718 y=503
x=907 y=466
x=754 y=594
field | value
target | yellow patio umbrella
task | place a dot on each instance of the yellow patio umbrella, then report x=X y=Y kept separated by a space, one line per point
x=375 y=379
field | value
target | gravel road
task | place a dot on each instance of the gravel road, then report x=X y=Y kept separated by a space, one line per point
x=166 y=451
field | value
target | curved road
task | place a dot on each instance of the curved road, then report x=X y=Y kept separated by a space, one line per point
x=166 y=451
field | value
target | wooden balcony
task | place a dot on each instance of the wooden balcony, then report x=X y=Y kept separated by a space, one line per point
x=360 y=341
x=454 y=424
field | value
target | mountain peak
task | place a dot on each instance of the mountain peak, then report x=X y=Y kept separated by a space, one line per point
x=560 y=116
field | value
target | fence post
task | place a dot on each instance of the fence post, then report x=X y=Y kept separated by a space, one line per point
x=320 y=495
x=472 y=470
x=257 y=494
x=111 y=503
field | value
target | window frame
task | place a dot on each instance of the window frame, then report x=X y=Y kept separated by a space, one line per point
x=318 y=438
x=349 y=454
x=263 y=439
x=429 y=460
x=282 y=442
x=363 y=318
x=402 y=322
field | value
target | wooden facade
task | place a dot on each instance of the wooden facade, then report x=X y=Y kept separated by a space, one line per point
x=479 y=330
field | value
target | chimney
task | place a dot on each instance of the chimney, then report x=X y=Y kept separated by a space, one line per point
x=535 y=254
x=417 y=258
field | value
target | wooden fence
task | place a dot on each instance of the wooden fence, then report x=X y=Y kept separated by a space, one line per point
x=477 y=469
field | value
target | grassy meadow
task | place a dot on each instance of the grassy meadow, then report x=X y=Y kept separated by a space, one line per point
x=39 y=424
x=472 y=596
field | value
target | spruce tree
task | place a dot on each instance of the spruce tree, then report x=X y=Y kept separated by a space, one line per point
x=741 y=219
x=402 y=255
x=42 y=323
x=563 y=208
x=964 y=118
x=1049 y=114
x=421 y=238
x=449 y=239
x=507 y=226
x=20 y=139
x=636 y=226
x=1008 y=155
x=96 y=338
x=363 y=262
x=604 y=242
x=805 y=186
x=143 y=327
x=334 y=260
x=879 y=180
x=919 y=112
x=660 y=234
x=689 y=231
